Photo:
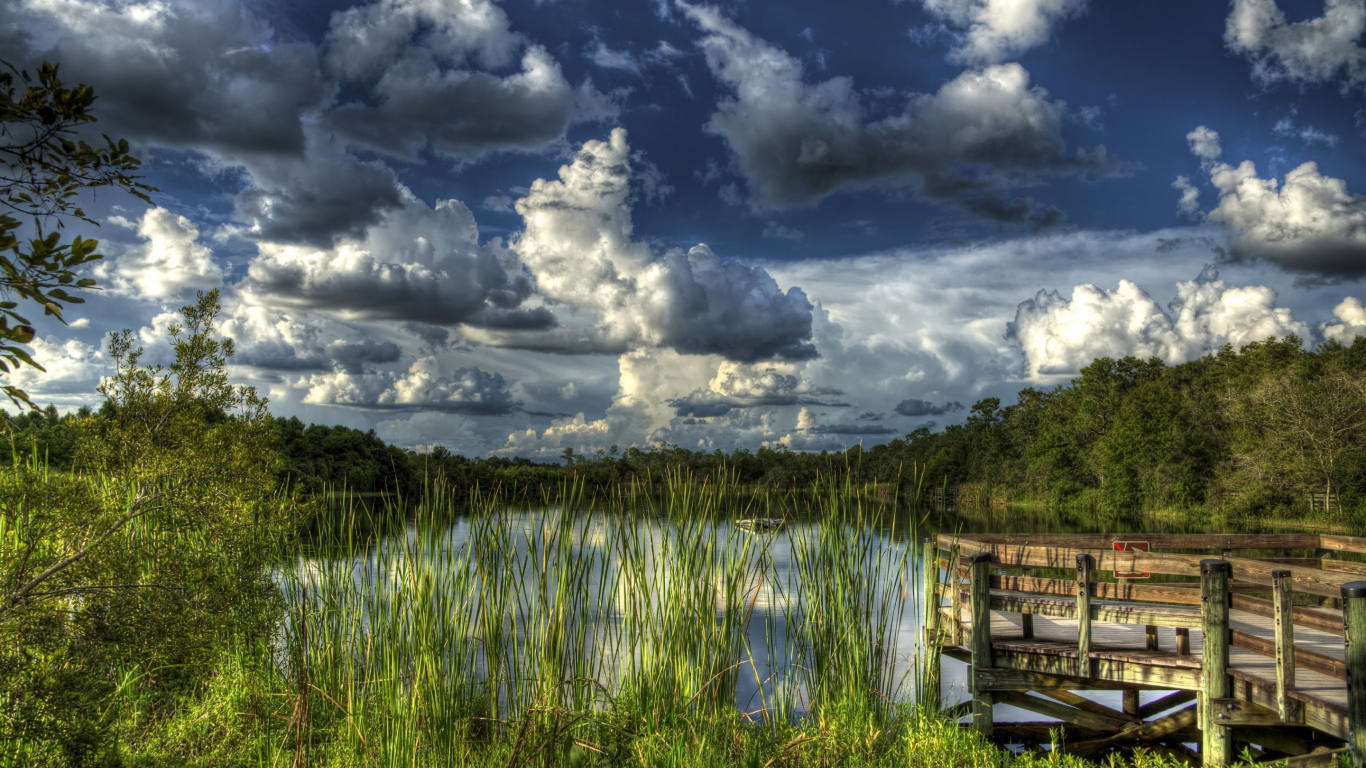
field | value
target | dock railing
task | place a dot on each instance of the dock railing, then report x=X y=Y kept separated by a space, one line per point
x=1218 y=617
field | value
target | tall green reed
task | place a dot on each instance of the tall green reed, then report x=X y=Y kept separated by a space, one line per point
x=525 y=623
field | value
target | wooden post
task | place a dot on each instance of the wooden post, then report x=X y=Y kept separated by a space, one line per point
x=1183 y=641
x=1150 y=635
x=979 y=598
x=929 y=697
x=955 y=595
x=1130 y=703
x=1084 y=563
x=1284 y=618
x=1354 y=640
x=929 y=571
x=1217 y=740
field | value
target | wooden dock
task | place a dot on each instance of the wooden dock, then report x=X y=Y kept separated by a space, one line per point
x=1251 y=635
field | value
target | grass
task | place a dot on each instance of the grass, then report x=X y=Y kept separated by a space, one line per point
x=631 y=629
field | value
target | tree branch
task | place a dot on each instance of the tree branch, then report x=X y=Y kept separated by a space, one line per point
x=140 y=506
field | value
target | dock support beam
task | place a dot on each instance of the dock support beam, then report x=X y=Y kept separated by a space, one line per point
x=1354 y=638
x=979 y=599
x=929 y=693
x=1217 y=740
x=1084 y=563
x=1283 y=613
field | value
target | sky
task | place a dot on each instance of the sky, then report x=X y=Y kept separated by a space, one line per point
x=511 y=228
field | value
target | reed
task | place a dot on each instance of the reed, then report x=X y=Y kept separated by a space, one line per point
x=639 y=626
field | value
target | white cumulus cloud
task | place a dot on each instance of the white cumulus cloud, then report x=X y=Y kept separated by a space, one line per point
x=579 y=245
x=997 y=30
x=1059 y=336
x=1351 y=315
x=170 y=260
x=423 y=385
x=1312 y=51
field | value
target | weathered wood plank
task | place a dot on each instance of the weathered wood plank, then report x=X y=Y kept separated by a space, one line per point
x=1344 y=566
x=1157 y=729
x=1049 y=708
x=1312 y=618
x=1310 y=580
x=1119 y=613
x=1321 y=757
x=1081 y=610
x=1354 y=621
x=1325 y=665
x=1284 y=646
x=1239 y=712
x=1085 y=704
x=1341 y=543
x=1165 y=703
x=1219 y=541
x=1114 y=670
x=1007 y=679
x=1042 y=733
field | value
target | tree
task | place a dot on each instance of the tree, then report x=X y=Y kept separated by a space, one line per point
x=152 y=557
x=1313 y=422
x=43 y=171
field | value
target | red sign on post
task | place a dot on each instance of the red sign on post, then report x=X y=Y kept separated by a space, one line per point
x=1131 y=546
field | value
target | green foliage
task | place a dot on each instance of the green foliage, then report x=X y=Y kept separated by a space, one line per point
x=142 y=567
x=43 y=171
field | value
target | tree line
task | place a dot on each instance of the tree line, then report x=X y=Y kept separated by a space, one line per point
x=1251 y=431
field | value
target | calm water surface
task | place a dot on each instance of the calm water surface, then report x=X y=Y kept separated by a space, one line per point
x=896 y=536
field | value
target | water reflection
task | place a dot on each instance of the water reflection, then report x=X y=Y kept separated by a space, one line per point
x=771 y=622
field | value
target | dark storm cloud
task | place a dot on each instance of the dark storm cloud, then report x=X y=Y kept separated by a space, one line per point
x=796 y=142
x=913 y=407
x=351 y=357
x=415 y=59
x=466 y=114
x=702 y=403
x=851 y=429
x=215 y=77
x=316 y=200
x=418 y=264
x=207 y=75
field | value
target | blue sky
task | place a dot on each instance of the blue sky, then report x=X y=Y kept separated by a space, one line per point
x=514 y=227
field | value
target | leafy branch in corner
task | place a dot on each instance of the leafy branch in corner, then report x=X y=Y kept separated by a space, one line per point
x=43 y=170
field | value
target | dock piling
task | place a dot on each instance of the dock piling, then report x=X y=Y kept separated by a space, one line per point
x=979 y=599
x=1354 y=640
x=1282 y=583
x=1217 y=740
x=1084 y=564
